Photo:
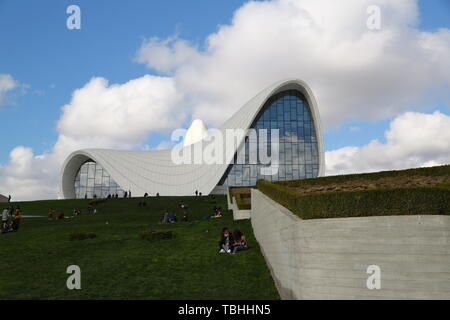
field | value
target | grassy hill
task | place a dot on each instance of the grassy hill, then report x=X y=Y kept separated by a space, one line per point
x=118 y=264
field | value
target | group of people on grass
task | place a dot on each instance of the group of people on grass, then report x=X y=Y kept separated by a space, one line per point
x=229 y=242
x=52 y=214
x=11 y=219
x=232 y=242
x=171 y=217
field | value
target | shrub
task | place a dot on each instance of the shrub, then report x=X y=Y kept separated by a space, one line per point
x=155 y=235
x=240 y=193
x=376 y=202
x=240 y=202
x=426 y=172
x=82 y=235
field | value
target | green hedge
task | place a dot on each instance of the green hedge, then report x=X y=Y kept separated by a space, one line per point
x=377 y=202
x=240 y=204
x=426 y=172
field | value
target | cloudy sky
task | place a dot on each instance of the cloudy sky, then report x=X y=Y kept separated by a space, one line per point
x=136 y=70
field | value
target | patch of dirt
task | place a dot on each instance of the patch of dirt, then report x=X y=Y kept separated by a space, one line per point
x=382 y=183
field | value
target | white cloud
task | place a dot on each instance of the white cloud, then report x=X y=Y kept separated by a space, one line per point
x=119 y=115
x=354 y=72
x=164 y=55
x=413 y=140
x=99 y=115
x=7 y=83
x=28 y=176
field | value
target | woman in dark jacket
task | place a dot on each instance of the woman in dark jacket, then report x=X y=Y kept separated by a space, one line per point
x=226 y=241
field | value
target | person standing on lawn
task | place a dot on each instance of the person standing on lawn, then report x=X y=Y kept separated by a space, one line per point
x=17 y=218
x=50 y=213
x=5 y=218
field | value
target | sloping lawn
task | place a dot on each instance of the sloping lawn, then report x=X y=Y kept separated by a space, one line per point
x=117 y=264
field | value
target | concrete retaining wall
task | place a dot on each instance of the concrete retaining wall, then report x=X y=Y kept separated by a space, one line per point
x=328 y=258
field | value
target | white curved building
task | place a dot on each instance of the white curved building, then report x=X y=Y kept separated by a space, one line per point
x=287 y=105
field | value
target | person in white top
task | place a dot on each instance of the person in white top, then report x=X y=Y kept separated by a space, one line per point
x=5 y=218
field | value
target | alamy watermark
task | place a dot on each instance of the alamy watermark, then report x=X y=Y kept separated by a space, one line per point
x=74 y=20
x=74 y=280
x=374 y=280
x=220 y=146
x=374 y=19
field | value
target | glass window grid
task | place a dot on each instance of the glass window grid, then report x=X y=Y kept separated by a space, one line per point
x=289 y=112
x=92 y=179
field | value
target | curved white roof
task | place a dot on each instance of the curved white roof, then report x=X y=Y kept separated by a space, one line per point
x=153 y=171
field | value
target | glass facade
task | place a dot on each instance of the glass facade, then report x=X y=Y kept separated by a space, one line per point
x=92 y=179
x=287 y=111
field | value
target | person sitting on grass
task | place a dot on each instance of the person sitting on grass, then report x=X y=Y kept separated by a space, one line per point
x=217 y=214
x=240 y=243
x=173 y=218
x=226 y=241
x=165 y=217
x=8 y=227
x=142 y=204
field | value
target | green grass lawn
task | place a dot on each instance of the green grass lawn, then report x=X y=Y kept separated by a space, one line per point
x=117 y=264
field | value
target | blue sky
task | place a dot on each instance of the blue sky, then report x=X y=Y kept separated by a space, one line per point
x=38 y=50
x=50 y=61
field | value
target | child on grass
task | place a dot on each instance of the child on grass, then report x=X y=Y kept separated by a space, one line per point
x=240 y=243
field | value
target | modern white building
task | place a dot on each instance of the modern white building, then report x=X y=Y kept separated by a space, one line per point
x=288 y=106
